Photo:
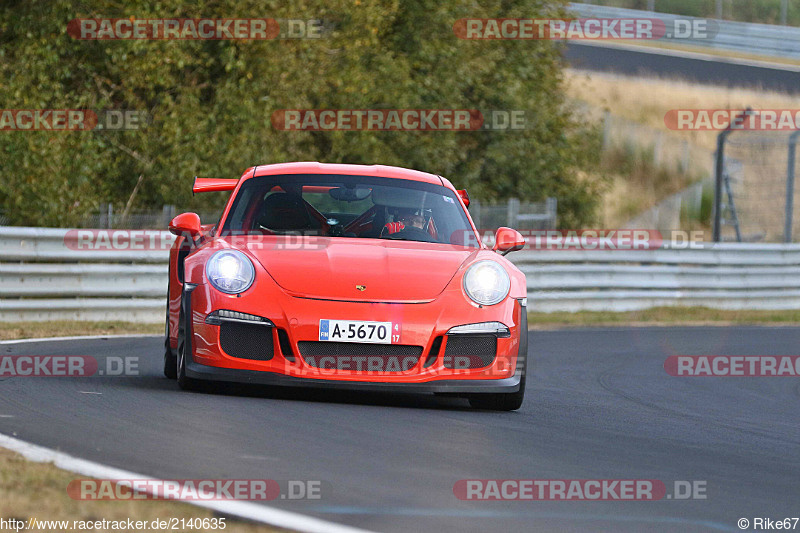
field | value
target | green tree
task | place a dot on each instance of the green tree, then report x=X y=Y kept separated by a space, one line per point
x=211 y=102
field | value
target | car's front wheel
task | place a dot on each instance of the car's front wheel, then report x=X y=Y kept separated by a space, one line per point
x=502 y=401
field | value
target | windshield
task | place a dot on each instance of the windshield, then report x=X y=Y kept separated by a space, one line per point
x=349 y=206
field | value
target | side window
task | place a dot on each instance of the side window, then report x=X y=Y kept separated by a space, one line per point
x=240 y=207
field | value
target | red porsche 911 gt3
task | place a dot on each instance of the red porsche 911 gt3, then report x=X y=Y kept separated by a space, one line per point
x=346 y=276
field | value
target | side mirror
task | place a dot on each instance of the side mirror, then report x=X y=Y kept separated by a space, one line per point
x=462 y=193
x=186 y=224
x=508 y=240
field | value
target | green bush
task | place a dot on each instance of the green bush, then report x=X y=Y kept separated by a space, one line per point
x=211 y=102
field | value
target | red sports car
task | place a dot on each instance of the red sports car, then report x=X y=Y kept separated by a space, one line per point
x=346 y=276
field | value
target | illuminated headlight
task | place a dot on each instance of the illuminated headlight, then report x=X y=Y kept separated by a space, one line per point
x=486 y=283
x=230 y=271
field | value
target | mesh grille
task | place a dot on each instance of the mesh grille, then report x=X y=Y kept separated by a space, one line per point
x=470 y=351
x=360 y=357
x=246 y=341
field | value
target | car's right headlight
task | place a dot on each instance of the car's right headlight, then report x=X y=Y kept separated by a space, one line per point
x=230 y=271
x=486 y=283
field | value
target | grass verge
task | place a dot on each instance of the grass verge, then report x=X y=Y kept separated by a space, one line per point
x=664 y=316
x=68 y=328
x=39 y=490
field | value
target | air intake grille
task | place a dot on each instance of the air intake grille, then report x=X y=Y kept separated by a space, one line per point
x=470 y=351
x=359 y=357
x=286 y=346
x=434 y=353
x=246 y=341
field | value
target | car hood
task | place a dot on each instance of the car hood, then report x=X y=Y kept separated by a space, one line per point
x=361 y=269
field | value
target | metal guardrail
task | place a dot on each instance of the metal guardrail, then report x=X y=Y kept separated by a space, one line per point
x=745 y=37
x=55 y=244
x=47 y=274
x=721 y=276
x=42 y=279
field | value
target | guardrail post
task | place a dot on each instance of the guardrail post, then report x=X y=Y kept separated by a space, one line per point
x=475 y=212
x=513 y=212
x=168 y=213
x=789 y=215
x=552 y=212
x=720 y=168
x=106 y=216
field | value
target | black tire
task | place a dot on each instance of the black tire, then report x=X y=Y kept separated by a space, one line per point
x=170 y=360
x=503 y=401
x=184 y=382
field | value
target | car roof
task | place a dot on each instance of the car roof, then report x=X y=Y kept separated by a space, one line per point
x=313 y=167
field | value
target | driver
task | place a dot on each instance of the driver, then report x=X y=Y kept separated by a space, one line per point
x=405 y=218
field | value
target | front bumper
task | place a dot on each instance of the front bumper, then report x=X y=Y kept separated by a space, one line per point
x=422 y=323
x=210 y=373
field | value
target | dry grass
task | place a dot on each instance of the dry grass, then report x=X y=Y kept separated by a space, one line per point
x=38 y=490
x=647 y=100
x=635 y=183
x=664 y=316
x=30 y=330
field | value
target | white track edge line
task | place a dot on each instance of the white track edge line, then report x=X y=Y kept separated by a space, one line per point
x=80 y=338
x=242 y=509
x=701 y=56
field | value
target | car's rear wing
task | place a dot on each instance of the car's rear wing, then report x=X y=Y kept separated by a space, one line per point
x=213 y=184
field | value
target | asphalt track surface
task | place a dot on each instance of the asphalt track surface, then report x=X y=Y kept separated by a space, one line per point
x=713 y=70
x=599 y=405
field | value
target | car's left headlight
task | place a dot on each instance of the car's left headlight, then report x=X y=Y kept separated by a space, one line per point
x=487 y=283
x=230 y=271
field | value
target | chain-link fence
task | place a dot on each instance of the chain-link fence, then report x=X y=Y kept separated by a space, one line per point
x=757 y=194
x=489 y=216
x=515 y=214
x=109 y=218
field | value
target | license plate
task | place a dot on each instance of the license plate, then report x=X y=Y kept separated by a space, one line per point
x=357 y=331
